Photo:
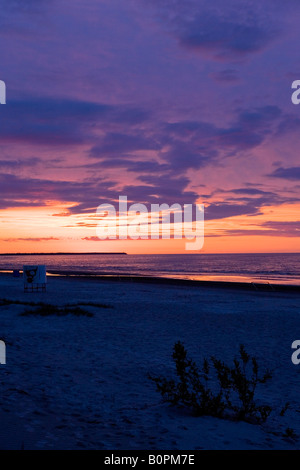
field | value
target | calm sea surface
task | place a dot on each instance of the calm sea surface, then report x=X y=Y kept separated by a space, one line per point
x=276 y=268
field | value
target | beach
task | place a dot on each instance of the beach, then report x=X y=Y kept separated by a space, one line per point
x=81 y=382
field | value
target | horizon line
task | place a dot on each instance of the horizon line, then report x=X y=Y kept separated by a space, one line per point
x=142 y=254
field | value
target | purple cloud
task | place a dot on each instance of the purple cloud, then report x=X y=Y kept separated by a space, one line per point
x=62 y=122
x=270 y=229
x=223 y=37
x=225 y=32
x=226 y=76
x=292 y=173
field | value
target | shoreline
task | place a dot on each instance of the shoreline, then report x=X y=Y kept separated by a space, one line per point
x=257 y=285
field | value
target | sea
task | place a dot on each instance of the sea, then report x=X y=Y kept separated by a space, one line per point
x=273 y=268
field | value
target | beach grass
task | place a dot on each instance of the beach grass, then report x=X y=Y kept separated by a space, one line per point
x=43 y=309
x=46 y=310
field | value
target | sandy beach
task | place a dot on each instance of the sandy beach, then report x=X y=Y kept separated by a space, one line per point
x=82 y=382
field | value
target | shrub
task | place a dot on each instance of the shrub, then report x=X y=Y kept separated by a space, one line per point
x=46 y=310
x=290 y=434
x=216 y=389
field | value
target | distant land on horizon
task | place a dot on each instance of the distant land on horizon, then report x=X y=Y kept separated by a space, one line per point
x=64 y=253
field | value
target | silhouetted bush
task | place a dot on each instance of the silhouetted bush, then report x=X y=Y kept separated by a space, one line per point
x=290 y=434
x=46 y=310
x=216 y=389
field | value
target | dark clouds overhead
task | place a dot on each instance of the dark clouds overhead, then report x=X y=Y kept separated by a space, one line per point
x=221 y=31
x=292 y=174
x=154 y=99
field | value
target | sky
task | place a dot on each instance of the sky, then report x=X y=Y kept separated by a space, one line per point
x=162 y=101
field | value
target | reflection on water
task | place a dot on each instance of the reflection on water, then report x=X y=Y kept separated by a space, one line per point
x=275 y=268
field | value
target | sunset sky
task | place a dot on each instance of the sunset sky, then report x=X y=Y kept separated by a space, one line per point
x=164 y=101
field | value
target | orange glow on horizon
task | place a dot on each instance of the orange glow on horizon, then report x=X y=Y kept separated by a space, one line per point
x=41 y=229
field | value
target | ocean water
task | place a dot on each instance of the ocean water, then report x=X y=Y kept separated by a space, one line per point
x=273 y=268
